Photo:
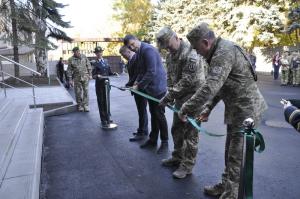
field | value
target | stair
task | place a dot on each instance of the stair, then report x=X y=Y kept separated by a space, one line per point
x=21 y=137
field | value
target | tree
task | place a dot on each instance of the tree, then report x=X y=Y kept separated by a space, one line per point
x=248 y=22
x=47 y=11
x=134 y=16
x=293 y=24
x=181 y=16
x=34 y=22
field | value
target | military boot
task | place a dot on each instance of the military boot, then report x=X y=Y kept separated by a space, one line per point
x=86 y=109
x=80 y=109
x=215 y=190
x=170 y=162
x=181 y=172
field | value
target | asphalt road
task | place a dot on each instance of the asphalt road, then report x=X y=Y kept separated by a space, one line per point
x=82 y=161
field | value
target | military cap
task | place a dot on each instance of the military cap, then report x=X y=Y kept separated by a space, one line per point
x=198 y=32
x=75 y=49
x=163 y=37
x=98 y=49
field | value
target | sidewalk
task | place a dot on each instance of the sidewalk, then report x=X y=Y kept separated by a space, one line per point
x=84 y=162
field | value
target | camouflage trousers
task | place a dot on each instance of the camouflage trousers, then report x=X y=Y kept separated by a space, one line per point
x=185 y=138
x=233 y=161
x=81 y=92
x=290 y=79
x=284 y=76
x=296 y=76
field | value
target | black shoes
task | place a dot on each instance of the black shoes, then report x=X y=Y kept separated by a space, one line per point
x=149 y=144
x=137 y=137
x=104 y=124
x=164 y=146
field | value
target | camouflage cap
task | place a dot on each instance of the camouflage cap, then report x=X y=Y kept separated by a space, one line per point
x=75 y=49
x=163 y=37
x=198 y=32
x=98 y=49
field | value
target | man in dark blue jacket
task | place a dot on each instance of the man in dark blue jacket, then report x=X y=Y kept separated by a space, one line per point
x=152 y=80
x=141 y=103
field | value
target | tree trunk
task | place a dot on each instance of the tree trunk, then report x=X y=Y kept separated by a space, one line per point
x=41 y=60
x=15 y=36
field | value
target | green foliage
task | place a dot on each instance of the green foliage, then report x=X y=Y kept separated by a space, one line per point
x=251 y=23
x=134 y=16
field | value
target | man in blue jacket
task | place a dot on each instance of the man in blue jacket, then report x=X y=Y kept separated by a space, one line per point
x=152 y=80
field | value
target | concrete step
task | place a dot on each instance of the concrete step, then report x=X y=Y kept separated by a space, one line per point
x=12 y=119
x=4 y=107
x=22 y=175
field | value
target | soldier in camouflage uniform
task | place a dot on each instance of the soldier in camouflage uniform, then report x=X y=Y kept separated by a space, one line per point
x=295 y=65
x=230 y=78
x=79 y=68
x=185 y=73
x=285 y=65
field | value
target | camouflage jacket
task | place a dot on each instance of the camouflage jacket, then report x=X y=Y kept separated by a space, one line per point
x=79 y=68
x=229 y=79
x=285 y=62
x=185 y=73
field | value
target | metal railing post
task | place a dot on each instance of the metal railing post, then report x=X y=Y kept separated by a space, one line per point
x=33 y=92
x=4 y=87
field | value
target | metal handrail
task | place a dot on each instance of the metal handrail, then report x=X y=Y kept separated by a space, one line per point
x=12 y=61
x=32 y=85
x=18 y=79
x=15 y=88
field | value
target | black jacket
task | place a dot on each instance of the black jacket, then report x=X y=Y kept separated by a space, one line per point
x=132 y=68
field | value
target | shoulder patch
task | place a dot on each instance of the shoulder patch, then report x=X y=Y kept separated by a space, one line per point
x=216 y=70
x=192 y=65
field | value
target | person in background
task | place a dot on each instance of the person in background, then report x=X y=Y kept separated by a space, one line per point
x=60 y=70
x=285 y=65
x=276 y=61
x=79 y=70
x=295 y=68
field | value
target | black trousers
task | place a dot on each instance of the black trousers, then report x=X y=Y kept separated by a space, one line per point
x=101 y=99
x=276 y=71
x=61 y=75
x=158 y=121
x=141 y=105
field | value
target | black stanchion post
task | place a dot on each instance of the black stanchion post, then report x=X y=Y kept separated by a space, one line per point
x=246 y=174
x=110 y=125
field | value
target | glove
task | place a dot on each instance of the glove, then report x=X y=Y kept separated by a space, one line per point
x=285 y=103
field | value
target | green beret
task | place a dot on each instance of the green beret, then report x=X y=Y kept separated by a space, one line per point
x=98 y=49
x=75 y=49
x=163 y=37
x=198 y=32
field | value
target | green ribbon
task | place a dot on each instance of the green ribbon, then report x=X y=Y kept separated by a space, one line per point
x=194 y=122
x=254 y=141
